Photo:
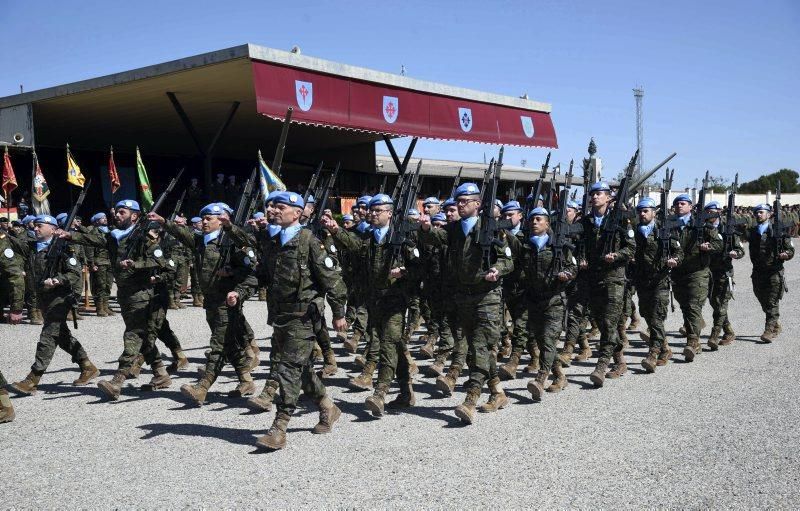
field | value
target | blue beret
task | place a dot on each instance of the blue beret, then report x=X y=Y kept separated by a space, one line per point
x=290 y=199
x=128 y=204
x=646 y=202
x=46 y=219
x=347 y=218
x=364 y=200
x=467 y=189
x=573 y=205
x=439 y=217
x=600 y=186
x=413 y=212
x=196 y=219
x=28 y=219
x=61 y=217
x=682 y=197
x=97 y=216
x=764 y=207
x=449 y=202
x=381 y=200
x=258 y=214
x=511 y=205
x=538 y=212
x=227 y=208
x=271 y=195
x=310 y=199
x=713 y=205
x=431 y=200
x=214 y=208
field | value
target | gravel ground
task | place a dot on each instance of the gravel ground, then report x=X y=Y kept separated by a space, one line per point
x=720 y=432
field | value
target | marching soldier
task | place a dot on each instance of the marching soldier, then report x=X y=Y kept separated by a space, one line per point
x=577 y=301
x=181 y=256
x=356 y=306
x=102 y=277
x=6 y=408
x=768 y=251
x=15 y=272
x=34 y=313
x=197 y=293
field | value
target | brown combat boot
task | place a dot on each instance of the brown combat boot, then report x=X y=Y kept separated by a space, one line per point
x=262 y=294
x=437 y=368
x=199 y=391
x=88 y=373
x=505 y=348
x=136 y=368
x=376 y=401
x=692 y=349
x=560 y=382
x=197 y=300
x=635 y=320
x=713 y=339
x=729 y=336
x=651 y=361
x=360 y=361
x=466 y=410
x=508 y=371
x=113 y=387
x=351 y=344
x=447 y=383
x=619 y=368
x=263 y=401
x=246 y=386
x=329 y=367
x=179 y=362
x=565 y=357
x=160 y=379
x=171 y=305
x=664 y=355
x=586 y=349
x=645 y=336
x=769 y=334
x=6 y=408
x=533 y=365
x=594 y=333
x=623 y=336
x=329 y=413
x=276 y=435
x=536 y=385
x=100 y=308
x=28 y=386
x=364 y=380
x=178 y=301
x=108 y=308
x=427 y=351
x=254 y=354
x=36 y=317
x=497 y=398
x=413 y=368
x=405 y=399
x=598 y=376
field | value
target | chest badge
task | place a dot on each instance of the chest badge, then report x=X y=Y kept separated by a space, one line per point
x=8 y=253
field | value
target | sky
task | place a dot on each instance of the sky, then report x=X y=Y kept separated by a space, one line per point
x=720 y=78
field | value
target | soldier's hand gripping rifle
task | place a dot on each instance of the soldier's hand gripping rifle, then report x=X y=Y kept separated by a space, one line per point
x=137 y=235
x=665 y=229
x=56 y=251
x=780 y=231
x=401 y=228
x=322 y=204
x=490 y=226
x=562 y=229
x=729 y=231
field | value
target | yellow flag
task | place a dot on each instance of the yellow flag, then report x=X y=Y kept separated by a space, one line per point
x=74 y=175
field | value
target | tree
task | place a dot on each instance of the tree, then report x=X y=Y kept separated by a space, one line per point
x=787 y=177
x=717 y=184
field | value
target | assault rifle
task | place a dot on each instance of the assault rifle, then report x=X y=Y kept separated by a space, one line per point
x=562 y=229
x=178 y=206
x=137 y=235
x=313 y=184
x=277 y=161
x=665 y=229
x=729 y=231
x=586 y=183
x=401 y=228
x=552 y=188
x=536 y=190
x=487 y=235
x=780 y=231
x=456 y=182
x=701 y=216
x=240 y=217
x=322 y=203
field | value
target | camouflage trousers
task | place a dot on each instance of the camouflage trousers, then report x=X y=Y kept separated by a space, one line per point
x=518 y=310
x=577 y=305
x=137 y=337
x=545 y=322
x=431 y=308
x=31 y=296
x=356 y=314
x=195 y=282
x=181 y=283
x=321 y=334
x=292 y=360
x=691 y=292
x=55 y=333
x=386 y=325
x=101 y=281
x=719 y=294
x=768 y=288
x=413 y=311
x=653 y=305
x=227 y=343
x=3 y=382
x=160 y=328
x=451 y=339
x=606 y=301
x=479 y=318
x=629 y=305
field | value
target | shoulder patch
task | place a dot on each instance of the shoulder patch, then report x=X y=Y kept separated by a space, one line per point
x=171 y=262
x=333 y=249
x=328 y=262
x=250 y=253
x=8 y=253
x=678 y=244
x=158 y=253
x=416 y=252
x=508 y=252
x=630 y=233
x=72 y=261
x=719 y=236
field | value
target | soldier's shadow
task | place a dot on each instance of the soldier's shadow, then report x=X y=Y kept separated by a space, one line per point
x=750 y=338
x=64 y=390
x=236 y=436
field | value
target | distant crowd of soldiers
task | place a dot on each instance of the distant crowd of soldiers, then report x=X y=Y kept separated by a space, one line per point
x=479 y=308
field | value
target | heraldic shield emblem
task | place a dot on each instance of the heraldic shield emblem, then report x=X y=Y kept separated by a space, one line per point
x=527 y=125
x=465 y=119
x=391 y=109
x=304 y=91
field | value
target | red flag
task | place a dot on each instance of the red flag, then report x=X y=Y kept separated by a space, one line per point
x=9 y=179
x=112 y=172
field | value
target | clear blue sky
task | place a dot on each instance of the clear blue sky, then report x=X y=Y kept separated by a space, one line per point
x=720 y=77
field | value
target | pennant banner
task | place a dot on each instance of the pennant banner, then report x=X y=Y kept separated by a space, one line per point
x=269 y=181
x=9 y=179
x=74 y=174
x=40 y=188
x=144 y=182
x=113 y=176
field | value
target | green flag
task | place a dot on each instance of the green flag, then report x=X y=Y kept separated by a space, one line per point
x=144 y=182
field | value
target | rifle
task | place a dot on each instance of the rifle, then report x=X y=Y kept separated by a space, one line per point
x=700 y=217
x=136 y=237
x=665 y=229
x=456 y=182
x=240 y=217
x=512 y=193
x=586 y=180
x=561 y=228
x=313 y=184
x=322 y=202
x=277 y=161
x=551 y=188
x=780 y=231
x=178 y=206
x=613 y=223
x=487 y=235
x=401 y=227
x=383 y=184
x=536 y=190
x=729 y=230
x=56 y=250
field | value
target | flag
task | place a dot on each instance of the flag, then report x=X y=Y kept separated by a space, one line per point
x=112 y=173
x=269 y=181
x=144 y=182
x=9 y=179
x=40 y=189
x=74 y=175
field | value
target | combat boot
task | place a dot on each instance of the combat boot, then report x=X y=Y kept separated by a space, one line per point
x=412 y=365
x=29 y=385
x=447 y=383
x=329 y=413
x=769 y=333
x=376 y=401
x=246 y=386
x=586 y=350
x=179 y=362
x=178 y=301
x=505 y=348
x=729 y=336
x=497 y=398
x=88 y=373
x=263 y=401
x=329 y=368
x=664 y=355
x=619 y=368
x=565 y=357
x=645 y=336
x=466 y=410
x=635 y=320
x=364 y=380
x=199 y=391
x=360 y=361
x=623 y=336
x=317 y=353
x=560 y=382
x=437 y=368
x=651 y=361
x=197 y=300
x=594 y=333
x=100 y=309
x=692 y=349
x=533 y=365
x=108 y=308
x=171 y=305
x=405 y=399
x=351 y=344
x=160 y=379
x=136 y=367
x=36 y=317
x=276 y=435
x=113 y=387
x=262 y=294
x=536 y=385
x=508 y=371
x=427 y=351
x=598 y=376
x=253 y=353
x=713 y=339
x=6 y=408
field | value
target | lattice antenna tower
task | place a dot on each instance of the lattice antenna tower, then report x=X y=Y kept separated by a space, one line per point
x=638 y=94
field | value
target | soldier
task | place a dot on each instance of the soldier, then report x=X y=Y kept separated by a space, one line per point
x=768 y=251
x=6 y=408
x=13 y=265
x=194 y=196
x=101 y=275
x=606 y=278
x=218 y=188
x=197 y=293
x=133 y=273
x=34 y=313
x=224 y=290
x=181 y=256
x=690 y=279
x=476 y=295
x=430 y=305
x=80 y=254
x=57 y=294
x=651 y=275
x=721 y=291
x=348 y=222
x=387 y=279
x=577 y=301
x=357 y=315
x=299 y=274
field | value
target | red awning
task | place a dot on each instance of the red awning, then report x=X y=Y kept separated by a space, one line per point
x=341 y=102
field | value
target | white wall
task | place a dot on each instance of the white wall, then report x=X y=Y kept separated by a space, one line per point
x=741 y=198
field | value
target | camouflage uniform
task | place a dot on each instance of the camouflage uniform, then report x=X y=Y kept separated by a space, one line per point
x=720 y=291
x=514 y=298
x=101 y=279
x=13 y=263
x=768 y=278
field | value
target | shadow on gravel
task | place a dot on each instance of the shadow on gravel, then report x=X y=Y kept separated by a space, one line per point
x=230 y=435
x=63 y=390
x=755 y=339
x=584 y=385
x=358 y=410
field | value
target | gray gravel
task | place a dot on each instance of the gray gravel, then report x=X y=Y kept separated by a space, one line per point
x=720 y=432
